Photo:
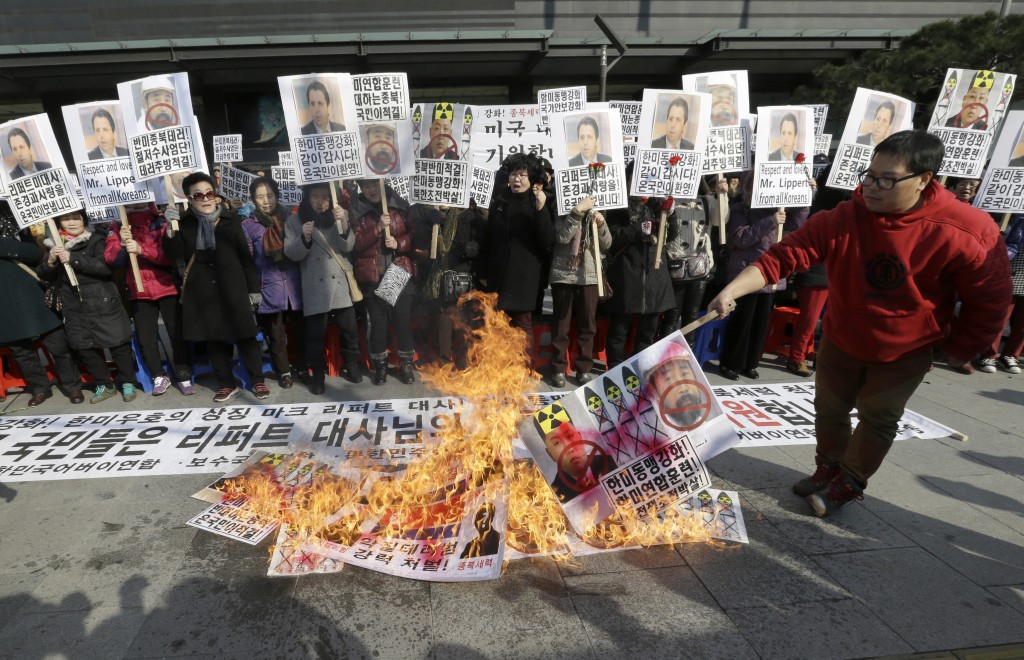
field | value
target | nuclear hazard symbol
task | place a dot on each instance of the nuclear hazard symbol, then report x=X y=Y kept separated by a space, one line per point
x=161 y=115
x=685 y=405
x=444 y=111
x=381 y=157
x=984 y=79
x=551 y=418
x=587 y=477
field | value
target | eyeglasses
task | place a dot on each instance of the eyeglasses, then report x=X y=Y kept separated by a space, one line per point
x=519 y=175
x=208 y=196
x=883 y=182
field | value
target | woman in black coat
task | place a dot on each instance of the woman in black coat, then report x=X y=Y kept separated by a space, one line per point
x=640 y=291
x=94 y=317
x=519 y=234
x=221 y=286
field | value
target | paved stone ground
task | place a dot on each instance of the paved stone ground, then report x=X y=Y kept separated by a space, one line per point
x=930 y=562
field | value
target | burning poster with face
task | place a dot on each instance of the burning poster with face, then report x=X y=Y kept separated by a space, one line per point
x=633 y=441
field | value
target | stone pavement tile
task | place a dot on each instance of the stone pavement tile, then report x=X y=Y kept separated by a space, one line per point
x=854 y=528
x=982 y=398
x=1000 y=495
x=770 y=570
x=526 y=613
x=892 y=487
x=1011 y=594
x=983 y=549
x=758 y=467
x=637 y=559
x=826 y=629
x=925 y=602
x=102 y=632
x=659 y=613
x=16 y=596
x=928 y=457
x=360 y=623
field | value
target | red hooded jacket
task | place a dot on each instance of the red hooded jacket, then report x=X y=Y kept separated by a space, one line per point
x=155 y=267
x=893 y=280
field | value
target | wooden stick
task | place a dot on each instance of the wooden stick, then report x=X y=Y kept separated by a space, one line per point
x=435 y=232
x=778 y=237
x=384 y=206
x=597 y=255
x=169 y=189
x=59 y=242
x=661 y=239
x=133 y=259
x=723 y=210
x=707 y=318
x=1006 y=222
x=943 y=179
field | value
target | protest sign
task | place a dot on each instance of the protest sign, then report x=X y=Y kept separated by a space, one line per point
x=97 y=135
x=502 y=130
x=629 y=147
x=227 y=148
x=673 y=131
x=234 y=183
x=286 y=159
x=381 y=97
x=34 y=174
x=728 y=144
x=233 y=520
x=1002 y=189
x=562 y=100
x=443 y=130
x=481 y=186
x=588 y=159
x=629 y=116
x=288 y=191
x=822 y=144
x=820 y=114
x=873 y=117
x=400 y=186
x=320 y=116
x=387 y=149
x=785 y=142
x=444 y=182
x=967 y=115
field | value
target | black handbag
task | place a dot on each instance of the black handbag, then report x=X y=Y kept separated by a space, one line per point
x=454 y=284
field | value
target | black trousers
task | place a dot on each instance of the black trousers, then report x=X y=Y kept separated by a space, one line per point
x=146 y=314
x=220 y=353
x=275 y=329
x=746 y=331
x=689 y=295
x=38 y=380
x=379 y=313
x=316 y=330
x=618 y=333
x=579 y=303
x=94 y=362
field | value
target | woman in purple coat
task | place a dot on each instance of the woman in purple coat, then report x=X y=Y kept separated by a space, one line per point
x=280 y=312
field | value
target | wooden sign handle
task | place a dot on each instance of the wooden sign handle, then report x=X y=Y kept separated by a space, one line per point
x=59 y=242
x=707 y=318
x=133 y=259
x=169 y=189
x=723 y=209
x=384 y=205
x=597 y=255
x=435 y=233
x=661 y=239
x=778 y=236
x=1005 y=223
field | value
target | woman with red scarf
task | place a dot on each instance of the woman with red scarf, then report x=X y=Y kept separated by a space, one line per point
x=280 y=280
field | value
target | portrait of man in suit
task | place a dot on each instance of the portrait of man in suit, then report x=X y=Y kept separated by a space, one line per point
x=105 y=132
x=319 y=101
x=788 y=132
x=588 y=138
x=881 y=125
x=21 y=148
x=677 y=120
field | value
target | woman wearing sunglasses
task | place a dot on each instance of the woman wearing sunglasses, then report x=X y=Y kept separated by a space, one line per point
x=220 y=286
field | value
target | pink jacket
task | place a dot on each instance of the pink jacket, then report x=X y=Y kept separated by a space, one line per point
x=155 y=267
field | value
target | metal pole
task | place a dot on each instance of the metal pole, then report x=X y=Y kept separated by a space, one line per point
x=1004 y=10
x=604 y=69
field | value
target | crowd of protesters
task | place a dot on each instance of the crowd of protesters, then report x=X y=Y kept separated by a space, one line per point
x=227 y=276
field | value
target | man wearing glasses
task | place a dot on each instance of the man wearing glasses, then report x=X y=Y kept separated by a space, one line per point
x=899 y=255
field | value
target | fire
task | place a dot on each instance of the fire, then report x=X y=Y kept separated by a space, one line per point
x=476 y=453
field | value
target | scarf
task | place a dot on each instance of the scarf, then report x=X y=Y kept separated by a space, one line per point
x=582 y=238
x=444 y=246
x=273 y=237
x=205 y=238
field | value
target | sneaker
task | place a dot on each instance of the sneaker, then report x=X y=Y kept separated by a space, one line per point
x=261 y=391
x=225 y=394
x=1009 y=363
x=817 y=481
x=186 y=387
x=557 y=380
x=102 y=393
x=841 y=490
x=160 y=385
x=799 y=368
x=128 y=392
x=987 y=365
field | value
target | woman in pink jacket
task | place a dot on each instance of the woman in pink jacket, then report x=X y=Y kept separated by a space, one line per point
x=159 y=297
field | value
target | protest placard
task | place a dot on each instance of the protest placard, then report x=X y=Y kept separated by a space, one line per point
x=234 y=183
x=1002 y=189
x=629 y=147
x=728 y=143
x=785 y=147
x=873 y=117
x=820 y=115
x=481 y=186
x=320 y=116
x=288 y=191
x=502 y=130
x=583 y=140
x=562 y=99
x=444 y=182
x=227 y=148
x=443 y=130
x=34 y=173
x=673 y=131
x=967 y=115
x=822 y=144
x=286 y=159
x=387 y=148
x=381 y=96
x=629 y=116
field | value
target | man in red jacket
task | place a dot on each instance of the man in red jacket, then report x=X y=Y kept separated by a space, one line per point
x=898 y=255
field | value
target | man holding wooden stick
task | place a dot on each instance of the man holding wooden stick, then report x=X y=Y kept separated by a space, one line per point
x=899 y=254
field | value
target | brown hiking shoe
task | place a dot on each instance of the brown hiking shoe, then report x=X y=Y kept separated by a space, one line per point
x=840 y=491
x=817 y=481
x=800 y=368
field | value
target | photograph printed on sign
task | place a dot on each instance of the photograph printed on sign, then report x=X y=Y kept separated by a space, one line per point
x=317 y=103
x=973 y=100
x=730 y=99
x=155 y=102
x=1002 y=188
x=442 y=130
x=96 y=134
x=387 y=148
x=875 y=116
x=502 y=130
x=676 y=120
x=29 y=146
x=586 y=137
x=785 y=135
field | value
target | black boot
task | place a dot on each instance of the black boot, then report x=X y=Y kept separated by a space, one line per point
x=405 y=371
x=380 y=371
x=353 y=366
x=316 y=383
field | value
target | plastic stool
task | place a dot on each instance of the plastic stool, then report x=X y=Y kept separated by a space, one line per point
x=708 y=340
x=10 y=373
x=142 y=375
x=780 y=330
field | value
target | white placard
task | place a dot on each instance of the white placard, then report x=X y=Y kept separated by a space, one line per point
x=34 y=173
x=381 y=96
x=227 y=148
x=502 y=130
x=785 y=135
x=873 y=117
x=1002 y=189
x=562 y=100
